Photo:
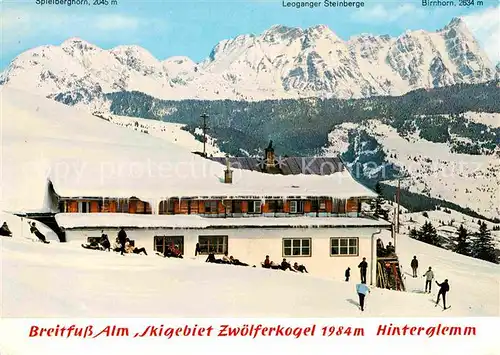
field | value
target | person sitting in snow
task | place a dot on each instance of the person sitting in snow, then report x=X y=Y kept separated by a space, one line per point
x=171 y=251
x=104 y=241
x=268 y=264
x=211 y=259
x=236 y=261
x=93 y=245
x=5 y=231
x=117 y=246
x=131 y=249
x=34 y=230
x=226 y=259
x=285 y=265
x=299 y=268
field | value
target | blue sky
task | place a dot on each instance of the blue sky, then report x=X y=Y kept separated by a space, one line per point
x=193 y=28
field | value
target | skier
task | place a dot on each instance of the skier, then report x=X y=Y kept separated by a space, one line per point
x=429 y=276
x=444 y=287
x=5 y=231
x=414 y=266
x=122 y=238
x=347 y=274
x=34 y=230
x=362 y=290
x=362 y=268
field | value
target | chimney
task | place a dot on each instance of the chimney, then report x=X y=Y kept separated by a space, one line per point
x=270 y=156
x=228 y=173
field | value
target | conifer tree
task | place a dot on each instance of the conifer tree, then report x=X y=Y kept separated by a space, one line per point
x=462 y=245
x=483 y=247
x=428 y=234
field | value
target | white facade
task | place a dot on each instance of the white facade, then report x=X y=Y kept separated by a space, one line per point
x=251 y=245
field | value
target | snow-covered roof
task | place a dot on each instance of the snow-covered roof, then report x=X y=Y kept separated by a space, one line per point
x=116 y=220
x=83 y=155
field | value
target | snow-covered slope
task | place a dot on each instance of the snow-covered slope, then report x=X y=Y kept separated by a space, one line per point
x=282 y=62
x=171 y=132
x=103 y=287
x=432 y=168
x=447 y=222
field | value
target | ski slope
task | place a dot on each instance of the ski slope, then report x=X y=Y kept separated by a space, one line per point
x=69 y=281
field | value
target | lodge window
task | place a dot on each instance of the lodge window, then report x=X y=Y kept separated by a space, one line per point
x=254 y=207
x=236 y=207
x=167 y=207
x=275 y=205
x=216 y=244
x=83 y=207
x=344 y=246
x=296 y=206
x=211 y=206
x=318 y=205
x=296 y=246
x=161 y=242
x=122 y=206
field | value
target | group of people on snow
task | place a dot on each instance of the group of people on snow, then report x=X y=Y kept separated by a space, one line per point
x=285 y=265
x=225 y=260
x=5 y=231
x=122 y=244
x=362 y=289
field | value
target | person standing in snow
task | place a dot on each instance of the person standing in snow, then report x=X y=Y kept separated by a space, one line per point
x=363 y=266
x=347 y=274
x=429 y=276
x=197 y=249
x=414 y=266
x=122 y=238
x=5 y=231
x=362 y=291
x=444 y=287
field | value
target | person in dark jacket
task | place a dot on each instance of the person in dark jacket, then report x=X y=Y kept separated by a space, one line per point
x=212 y=259
x=104 y=241
x=237 y=262
x=363 y=266
x=300 y=268
x=5 y=231
x=414 y=266
x=443 y=288
x=197 y=249
x=347 y=274
x=34 y=230
x=122 y=238
x=285 y=265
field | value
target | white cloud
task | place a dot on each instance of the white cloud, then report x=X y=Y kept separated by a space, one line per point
x=485 y=25
x=386 y=13
x=20 y=23
x=116 y=22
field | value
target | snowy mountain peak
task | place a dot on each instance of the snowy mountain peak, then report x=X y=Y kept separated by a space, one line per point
x=457 y=22
x=281 y=62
